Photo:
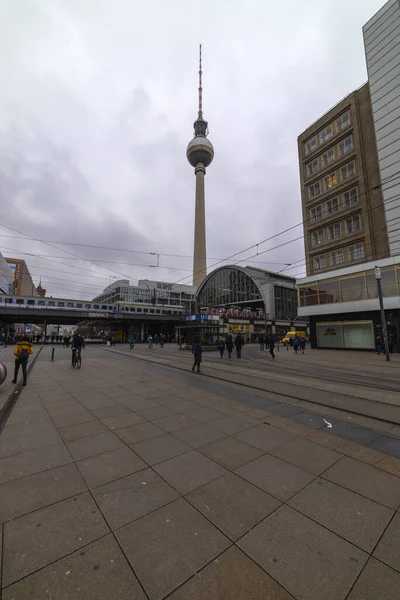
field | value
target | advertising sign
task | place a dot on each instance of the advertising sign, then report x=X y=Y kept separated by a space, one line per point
x=236 y=329
x=351 y=334
x=330 y=335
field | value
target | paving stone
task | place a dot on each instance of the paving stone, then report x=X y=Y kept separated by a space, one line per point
x=204 y=414
x=259 y=413
x=66 y=400
x=35 y=461
x=275 y=476
x=265 y=437
x=74 y=419
x=132 y=497
x=150 y=393
x=170 y=545
x=388 y=445
x=174 y=423
x=307 y=455
x=390 y=464
x=327 y=440
x=355 y=518
x=114 y=391
x=199 y=434
x=231 y=425
x=233 y=505
x=366 y=480
x=137 y=433
x=309 y=419
x=231 y=576
x=284 y=410
x=111 y=411
x=103 y=468
x=30 y=493
x=136 y=403
x=70 y=409
x=361 y=453
x=158 y=412
x=230 y=452
x=97 y=401
x=179 y=405
x=122 y=421
x=376 y=582
x=11 y=431
x=81 y=430
x=30 y=441
x=94 y=444
x=306 y=559
x=33 y=541
x=97 y=572
x=353 y=433
x=189 y=471
x=160 y=448
x=388 y=548
x=19 y=416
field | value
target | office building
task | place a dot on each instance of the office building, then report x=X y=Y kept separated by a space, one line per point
x=22 y=284
x=6 y=276
x=343 y=212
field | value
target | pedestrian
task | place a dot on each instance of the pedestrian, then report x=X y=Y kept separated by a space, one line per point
x=221 y=348
x=150 y=341
x=261 y=341
x=295 y=344
x=197 y=351
x=131 y=342
x=239 y=346
x=272 y=347
x=379 y=345
x=3 y=341
x=302 y=344
x=229 y=346
x=22 y=351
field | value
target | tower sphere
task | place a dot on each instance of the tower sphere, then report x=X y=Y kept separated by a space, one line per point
x=200 y=150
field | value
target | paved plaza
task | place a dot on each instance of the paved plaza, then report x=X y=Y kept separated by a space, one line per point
x=133 y=480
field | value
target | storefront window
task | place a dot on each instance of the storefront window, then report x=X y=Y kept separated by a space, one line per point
x=309 y=295
x=329 y=291
x=353 y=288
x=389 y=284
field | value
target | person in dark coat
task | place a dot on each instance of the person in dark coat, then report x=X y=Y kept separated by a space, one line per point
x=239 y=345
x=221 y=348
x=198 y=352
x=229 y=346
x=261 y=341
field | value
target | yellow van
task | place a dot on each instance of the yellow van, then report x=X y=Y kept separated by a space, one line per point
x=291 y=334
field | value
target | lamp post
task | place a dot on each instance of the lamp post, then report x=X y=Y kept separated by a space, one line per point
x=378 y=278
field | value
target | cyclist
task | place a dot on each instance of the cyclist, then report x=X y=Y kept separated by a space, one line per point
x=77 y=344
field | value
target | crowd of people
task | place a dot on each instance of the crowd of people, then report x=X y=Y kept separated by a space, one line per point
x=297 y=343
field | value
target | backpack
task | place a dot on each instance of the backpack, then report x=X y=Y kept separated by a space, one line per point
x=23 y=355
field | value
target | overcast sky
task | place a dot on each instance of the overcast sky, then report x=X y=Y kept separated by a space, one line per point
x=97 y=105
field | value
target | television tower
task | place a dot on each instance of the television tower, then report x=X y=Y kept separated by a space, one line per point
x=200 y=153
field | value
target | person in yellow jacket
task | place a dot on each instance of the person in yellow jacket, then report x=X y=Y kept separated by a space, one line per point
x=22 y=351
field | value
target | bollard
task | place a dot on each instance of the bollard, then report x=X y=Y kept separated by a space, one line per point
x=3 y=373
x=52 y=354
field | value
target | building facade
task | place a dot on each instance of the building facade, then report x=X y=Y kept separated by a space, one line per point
x=382 y=51
x=343 y=211
x=6 y=276
x=22 y=283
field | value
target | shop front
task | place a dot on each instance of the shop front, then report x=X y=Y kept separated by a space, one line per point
x=351 y=334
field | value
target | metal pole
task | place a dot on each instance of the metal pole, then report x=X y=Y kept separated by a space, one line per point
x=52 y=354
x=383 y=320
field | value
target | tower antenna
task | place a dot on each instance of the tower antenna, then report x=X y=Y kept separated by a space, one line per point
x=200 y=89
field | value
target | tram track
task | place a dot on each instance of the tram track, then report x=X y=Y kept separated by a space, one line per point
x=360 y=406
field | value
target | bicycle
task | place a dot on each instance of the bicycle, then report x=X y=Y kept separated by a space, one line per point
x=76 y=357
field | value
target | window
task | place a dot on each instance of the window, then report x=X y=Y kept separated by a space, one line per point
x=104 y=307
x=316 y=213
x=332 y=206
x=309 y=295
x=317 y=237
x=96 y=306
x=20 y=301
x=138 y=310
x=310 y=145
x=314 y=190
x=345 y=145
x=328 y=157
x=51 y=303
x=353 y=224
x=88 y=306
x=319 y=262
x=60 y=304
x=41 y=303
x=31 y=303
x=312 y=167
x=330 y=181
x=356 y=252
x=326 y=134
x=350 y=197
x=337 y=257
x=334 y=231
x=343 y=121
x=329 y=291
x=70 y=305
x=348 y=170
x=352 y=288
x=79 y=305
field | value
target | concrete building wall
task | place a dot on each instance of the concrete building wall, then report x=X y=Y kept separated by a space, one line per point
x=382 y=50
x=6 y=276
x=343 y=212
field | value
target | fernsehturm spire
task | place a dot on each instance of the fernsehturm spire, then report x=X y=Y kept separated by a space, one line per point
x=200 y=153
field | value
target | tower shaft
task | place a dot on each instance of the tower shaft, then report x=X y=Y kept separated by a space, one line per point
x=199 y=255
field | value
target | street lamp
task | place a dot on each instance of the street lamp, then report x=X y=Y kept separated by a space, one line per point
x=378 y=278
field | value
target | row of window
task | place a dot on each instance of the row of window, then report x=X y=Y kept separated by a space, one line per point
x=331 y=206
x=331 y=232
x=325 y=134
x=361 y=286
x=338 y=257
x=331 y=180
x=333 y=153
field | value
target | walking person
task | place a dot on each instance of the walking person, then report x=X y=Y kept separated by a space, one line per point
x=239 y=346
x=302 y=344
x=261 y=341
x=22 y=351
x=197 y=351
x=150 y=341
x=295 y=344
x=272 y=347
x=379 y=345
x=131 y=342
x=221 y=348
x=229 y=346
